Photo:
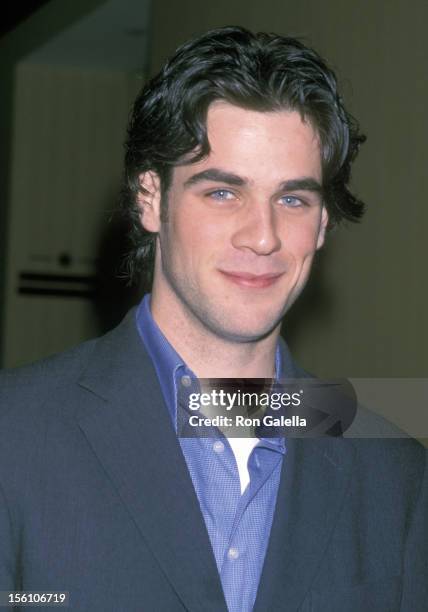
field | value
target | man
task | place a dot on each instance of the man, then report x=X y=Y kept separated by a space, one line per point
x=238 y=160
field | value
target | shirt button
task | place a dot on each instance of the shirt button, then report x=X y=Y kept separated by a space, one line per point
x=233 y=553
x=218 y=446
x=186 y=381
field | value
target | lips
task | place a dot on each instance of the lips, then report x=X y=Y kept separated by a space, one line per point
x=255 y=281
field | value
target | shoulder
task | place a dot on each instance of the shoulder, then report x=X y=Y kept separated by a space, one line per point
x=39 y=403
x=388 y=462
x=30 y=385
x=55 y=384
x=37 y=406
x=382 y=447
x=378 y=458
x=383 y=453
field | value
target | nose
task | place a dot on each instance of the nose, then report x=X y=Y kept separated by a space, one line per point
x=257 y=229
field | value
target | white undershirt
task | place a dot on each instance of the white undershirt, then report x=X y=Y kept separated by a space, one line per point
x=242 y=448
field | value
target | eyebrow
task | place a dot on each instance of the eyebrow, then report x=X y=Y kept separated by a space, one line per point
x=305 y=183
x=217 y=175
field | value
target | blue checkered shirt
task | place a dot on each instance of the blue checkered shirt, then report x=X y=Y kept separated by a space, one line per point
x=238 y=525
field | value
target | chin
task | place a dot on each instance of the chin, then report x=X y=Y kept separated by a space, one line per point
x=246 y=329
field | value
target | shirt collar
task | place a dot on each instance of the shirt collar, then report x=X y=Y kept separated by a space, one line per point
x=169 y=366
x=167 y=362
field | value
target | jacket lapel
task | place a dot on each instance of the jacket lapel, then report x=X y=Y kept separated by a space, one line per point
x=315 y=477
x=130 y=430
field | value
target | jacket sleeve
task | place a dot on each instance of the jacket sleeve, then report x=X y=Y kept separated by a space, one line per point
x=415 y=580
x=7 y=553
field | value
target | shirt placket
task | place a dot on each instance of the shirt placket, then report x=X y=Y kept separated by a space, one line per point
x=262 y=462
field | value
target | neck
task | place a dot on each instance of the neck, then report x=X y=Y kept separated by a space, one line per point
x=209 y=355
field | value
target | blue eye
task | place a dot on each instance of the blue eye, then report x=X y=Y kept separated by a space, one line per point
x=291 y=201
x=221 y=194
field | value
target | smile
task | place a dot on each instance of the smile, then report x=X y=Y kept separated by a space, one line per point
x=253 y=281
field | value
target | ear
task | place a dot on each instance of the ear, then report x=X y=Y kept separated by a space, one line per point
x=149 y=201
x=323 y=227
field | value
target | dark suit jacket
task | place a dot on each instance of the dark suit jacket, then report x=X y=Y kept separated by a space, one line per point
x=96 y=499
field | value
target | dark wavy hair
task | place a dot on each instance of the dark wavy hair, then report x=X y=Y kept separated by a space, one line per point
x=263 y=72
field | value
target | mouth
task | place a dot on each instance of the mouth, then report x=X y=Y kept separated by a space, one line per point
x=253 y=281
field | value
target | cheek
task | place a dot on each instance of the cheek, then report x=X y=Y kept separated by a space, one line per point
x=301 y=242
x=187 y=245
x=196 y=237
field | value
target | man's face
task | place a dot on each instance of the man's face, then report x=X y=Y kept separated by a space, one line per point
x=243 y=224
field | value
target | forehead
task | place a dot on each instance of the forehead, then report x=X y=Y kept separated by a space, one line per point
x=266 y=147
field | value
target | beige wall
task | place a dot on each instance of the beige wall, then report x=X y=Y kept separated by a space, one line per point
x=67 y=155
x=364 y=313
x=32 y=33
